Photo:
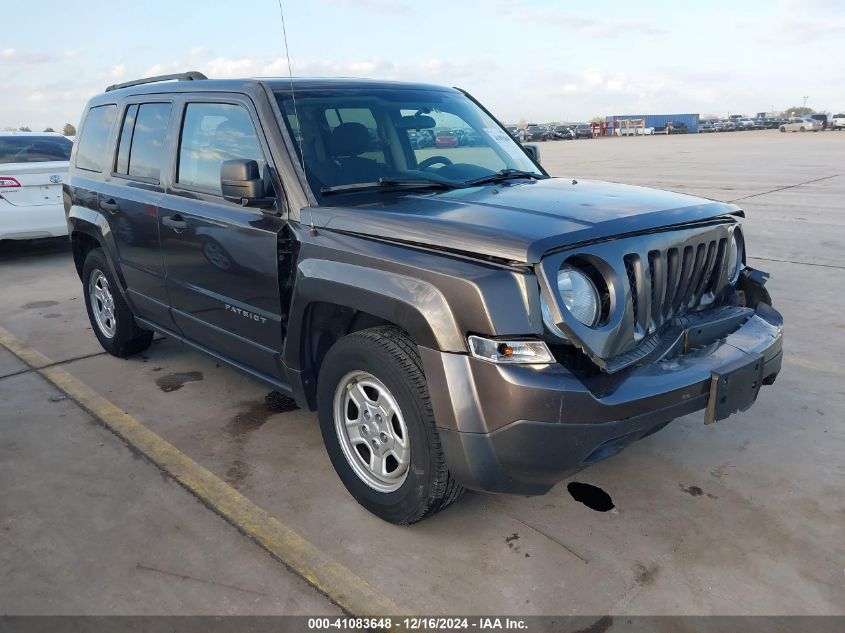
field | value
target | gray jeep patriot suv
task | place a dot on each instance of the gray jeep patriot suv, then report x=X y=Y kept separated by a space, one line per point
x=458 y=318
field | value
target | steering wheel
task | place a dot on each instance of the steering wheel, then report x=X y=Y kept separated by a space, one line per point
x=433 y=160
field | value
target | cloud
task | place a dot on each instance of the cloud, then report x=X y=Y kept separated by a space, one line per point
x=603 y=27
x=433 y=70
x=812 y=4
x=381 y=6
x=118 y=71
x=796 y=30
x=24 y=57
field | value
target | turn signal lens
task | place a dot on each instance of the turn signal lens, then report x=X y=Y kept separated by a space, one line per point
x=510 y=352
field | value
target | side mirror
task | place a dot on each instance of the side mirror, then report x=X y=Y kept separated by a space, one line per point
x=241 y=182
x=533 y=150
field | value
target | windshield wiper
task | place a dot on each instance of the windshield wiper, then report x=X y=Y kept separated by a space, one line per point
x=390 y=184
x=502 y=175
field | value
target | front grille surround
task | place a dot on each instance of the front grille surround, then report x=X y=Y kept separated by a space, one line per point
x=652 y=280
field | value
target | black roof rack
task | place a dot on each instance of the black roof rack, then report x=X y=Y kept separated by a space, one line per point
x=192 y=75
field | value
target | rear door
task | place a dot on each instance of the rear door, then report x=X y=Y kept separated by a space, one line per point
x=221 y=258
x=129 y=199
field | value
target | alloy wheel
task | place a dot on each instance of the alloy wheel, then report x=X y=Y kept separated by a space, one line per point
x=102 y=303
x=372 y=431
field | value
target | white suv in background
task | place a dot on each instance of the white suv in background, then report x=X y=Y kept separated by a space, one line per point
x=837 y=122
x=33 y=166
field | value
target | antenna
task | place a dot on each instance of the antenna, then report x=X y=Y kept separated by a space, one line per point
x=295 y=111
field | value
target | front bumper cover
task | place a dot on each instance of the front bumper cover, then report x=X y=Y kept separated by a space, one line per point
x=521 y=429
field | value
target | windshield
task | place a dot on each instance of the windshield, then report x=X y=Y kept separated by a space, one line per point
x=356 y=136
x=34 y=149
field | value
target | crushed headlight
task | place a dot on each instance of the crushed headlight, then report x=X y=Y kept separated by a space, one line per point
x=735 y=254
x=510 y=352
x=579 y=295
x=549 y=322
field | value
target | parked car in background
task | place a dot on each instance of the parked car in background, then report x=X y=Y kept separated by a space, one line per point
x=798 y=124
x=563 y=132
x=730 y=126
x=821 y=118
x=33 y=166
x=446 y=138
x=705 y=126
x=471 y=138
x=583 y=130
x=759 y=124
x=718 y=126
x=425 y=138
x=745 y=124
x=536 y=133
x=672 y=127
x=837 y=122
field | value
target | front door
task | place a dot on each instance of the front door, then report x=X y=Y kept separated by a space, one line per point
x=221 y=259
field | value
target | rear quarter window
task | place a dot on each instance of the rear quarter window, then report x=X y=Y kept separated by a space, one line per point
x=142 y=143
x=91 y=150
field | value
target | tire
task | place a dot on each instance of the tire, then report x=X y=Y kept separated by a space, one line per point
x=367 y=364
x=782 y=129
x=120 y=335
x=803 y=129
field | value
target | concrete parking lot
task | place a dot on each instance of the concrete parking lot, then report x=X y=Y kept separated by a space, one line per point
x=746 y=516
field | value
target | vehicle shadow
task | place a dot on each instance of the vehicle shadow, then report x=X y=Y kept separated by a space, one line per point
x=19 y=249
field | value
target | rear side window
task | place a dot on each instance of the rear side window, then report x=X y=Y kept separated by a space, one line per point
x=140 y=150
x=34 y=149
x=91 y=153
x=212 y=133
x=125 y=143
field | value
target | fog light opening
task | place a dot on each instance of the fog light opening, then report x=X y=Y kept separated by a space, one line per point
x=591 y=496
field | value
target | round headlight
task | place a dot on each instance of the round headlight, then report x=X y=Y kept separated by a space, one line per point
x=579 y=295
x=735 y=257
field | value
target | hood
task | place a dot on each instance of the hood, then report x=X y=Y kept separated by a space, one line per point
x=520 y=222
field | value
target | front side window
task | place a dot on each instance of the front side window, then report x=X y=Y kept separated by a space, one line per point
x=91 y=152
x=28 y=148
x=355 y=136
x=211 y=134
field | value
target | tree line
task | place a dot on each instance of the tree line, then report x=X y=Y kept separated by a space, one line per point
x=67 y=130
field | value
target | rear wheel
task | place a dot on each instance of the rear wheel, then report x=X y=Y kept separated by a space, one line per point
x=378 y=426
x=111 y=319
x=782 y=128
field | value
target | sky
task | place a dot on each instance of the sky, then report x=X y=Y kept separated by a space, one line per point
x=526 y=60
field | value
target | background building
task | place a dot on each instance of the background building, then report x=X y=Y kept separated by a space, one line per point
x=656 y=121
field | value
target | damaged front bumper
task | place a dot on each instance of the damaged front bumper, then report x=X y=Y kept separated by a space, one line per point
x=521 y=429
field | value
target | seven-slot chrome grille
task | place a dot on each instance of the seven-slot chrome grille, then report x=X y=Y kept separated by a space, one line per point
x=650 y=281
x=670 y=282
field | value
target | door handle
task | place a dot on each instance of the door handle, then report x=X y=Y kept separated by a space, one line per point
x=175 y=222
x=110 y=205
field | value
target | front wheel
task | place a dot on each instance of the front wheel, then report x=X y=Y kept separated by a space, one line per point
x=111 y=319
x=378 y=427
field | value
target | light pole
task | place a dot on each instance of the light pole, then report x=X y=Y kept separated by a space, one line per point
x=805 y=101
